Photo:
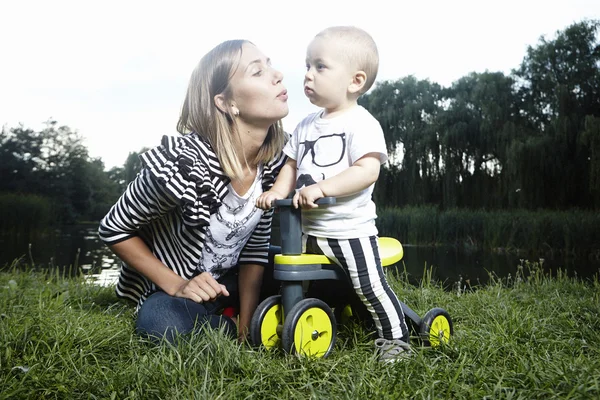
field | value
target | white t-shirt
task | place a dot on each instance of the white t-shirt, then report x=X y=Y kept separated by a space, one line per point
x=230 y=228
x=323 y=148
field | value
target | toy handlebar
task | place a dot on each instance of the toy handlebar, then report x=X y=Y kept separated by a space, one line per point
x=290 y=222
x=321 y=202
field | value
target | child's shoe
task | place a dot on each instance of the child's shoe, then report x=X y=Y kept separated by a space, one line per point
x=394 y=350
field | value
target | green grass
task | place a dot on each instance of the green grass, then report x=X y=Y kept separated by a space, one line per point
x=527 y=337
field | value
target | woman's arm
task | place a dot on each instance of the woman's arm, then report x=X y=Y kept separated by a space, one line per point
x=253 y=260
x=137 y=255
x=255 y=254
x=250 y=282
x=144 y=201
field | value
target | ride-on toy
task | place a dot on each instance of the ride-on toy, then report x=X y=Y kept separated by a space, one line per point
x=308 y=326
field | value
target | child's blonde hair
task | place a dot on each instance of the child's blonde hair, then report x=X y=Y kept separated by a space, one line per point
x=201 y=115
x=359 y=48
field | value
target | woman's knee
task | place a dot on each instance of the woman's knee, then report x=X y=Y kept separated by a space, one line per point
x=163 y=316
x=160 y=316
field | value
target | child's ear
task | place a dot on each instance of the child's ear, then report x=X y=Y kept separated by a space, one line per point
x=358 y=82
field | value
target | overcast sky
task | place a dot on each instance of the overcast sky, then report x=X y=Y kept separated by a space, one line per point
x=117 y=71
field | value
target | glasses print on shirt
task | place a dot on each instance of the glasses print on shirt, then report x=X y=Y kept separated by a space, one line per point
x=325 y=151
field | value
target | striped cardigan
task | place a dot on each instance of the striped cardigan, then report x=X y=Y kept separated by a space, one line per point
x=169 y=205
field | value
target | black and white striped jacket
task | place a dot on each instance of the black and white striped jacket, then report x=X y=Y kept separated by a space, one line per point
x=169 y=205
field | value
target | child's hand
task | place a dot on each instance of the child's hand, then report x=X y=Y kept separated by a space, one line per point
x=306 y=197
x=265 y=200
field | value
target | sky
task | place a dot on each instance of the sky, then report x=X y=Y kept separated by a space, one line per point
x=117 y=71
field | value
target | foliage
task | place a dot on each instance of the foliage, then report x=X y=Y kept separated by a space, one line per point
x=527 y=140
x=24 y=214
x=54 y=164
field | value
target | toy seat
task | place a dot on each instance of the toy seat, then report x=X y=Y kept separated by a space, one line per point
x=390 y=252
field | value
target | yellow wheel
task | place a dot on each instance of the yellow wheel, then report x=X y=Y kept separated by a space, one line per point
x=436 y=327
x=266 y=323
x=343 y=314
x=309 y=329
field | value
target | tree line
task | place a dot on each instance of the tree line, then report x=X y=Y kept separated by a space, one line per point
x=51 y=169
x=529 y=139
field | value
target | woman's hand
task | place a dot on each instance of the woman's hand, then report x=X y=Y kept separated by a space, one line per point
x=202 y=288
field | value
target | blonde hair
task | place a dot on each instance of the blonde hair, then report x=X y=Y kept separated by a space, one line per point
x=212 y=76
x=359 y=48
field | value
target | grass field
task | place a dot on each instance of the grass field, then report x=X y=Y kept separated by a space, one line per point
x=530 y=336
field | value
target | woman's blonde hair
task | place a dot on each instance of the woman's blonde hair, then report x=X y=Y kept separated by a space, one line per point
x=200 y=114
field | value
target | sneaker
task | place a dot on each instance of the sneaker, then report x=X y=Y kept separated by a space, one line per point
x=391 y=351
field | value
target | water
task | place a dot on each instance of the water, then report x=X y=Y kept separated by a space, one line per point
x=71 y=249
x=80 y=248
x=450 y=265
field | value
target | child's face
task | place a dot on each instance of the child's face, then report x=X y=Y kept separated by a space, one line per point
x=328 y=76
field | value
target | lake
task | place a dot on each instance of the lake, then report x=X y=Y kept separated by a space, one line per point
x=71 y=247
x=451 y=265
x=79 y=246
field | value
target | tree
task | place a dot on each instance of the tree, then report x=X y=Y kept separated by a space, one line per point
x=20 y=155
x=105 y=191
x=133 y=165
x=476 y=127
x=407 y=110
x=54 y=163
x=559 y=86
x=591 y=138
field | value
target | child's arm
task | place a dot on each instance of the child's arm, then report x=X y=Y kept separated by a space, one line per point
x=362 y=174
x=284 y=184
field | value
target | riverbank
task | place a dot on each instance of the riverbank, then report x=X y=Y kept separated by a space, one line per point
x=530 y=336
x=531 y=234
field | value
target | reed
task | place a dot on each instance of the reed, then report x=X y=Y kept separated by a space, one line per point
x=536 y=232
x=24 y=214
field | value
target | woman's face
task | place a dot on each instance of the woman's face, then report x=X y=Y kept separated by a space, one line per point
x=257 y=90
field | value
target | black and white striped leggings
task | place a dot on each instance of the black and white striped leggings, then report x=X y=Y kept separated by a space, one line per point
x=360 y=259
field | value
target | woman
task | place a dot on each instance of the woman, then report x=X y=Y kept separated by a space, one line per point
x=187 y=229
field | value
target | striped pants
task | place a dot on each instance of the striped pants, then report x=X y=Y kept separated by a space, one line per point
x=360 y=259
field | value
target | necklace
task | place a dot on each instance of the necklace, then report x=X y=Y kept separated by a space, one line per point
x=235 y=209
x=237 y=227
